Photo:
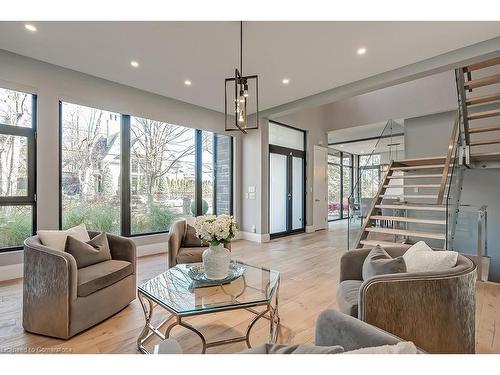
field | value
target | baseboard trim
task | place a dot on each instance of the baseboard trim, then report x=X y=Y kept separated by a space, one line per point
x=10 y=272
x=254 y=237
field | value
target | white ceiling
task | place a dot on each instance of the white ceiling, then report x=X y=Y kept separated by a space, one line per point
x=365 y=131
x=346 y=139
x=366 y=147
x=315 y=56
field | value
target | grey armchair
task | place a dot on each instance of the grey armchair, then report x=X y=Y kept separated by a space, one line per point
x=177 y=254
x=60 y=300
x=435 y=310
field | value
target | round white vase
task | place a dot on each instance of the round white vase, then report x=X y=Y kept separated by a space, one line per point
x=216 y=261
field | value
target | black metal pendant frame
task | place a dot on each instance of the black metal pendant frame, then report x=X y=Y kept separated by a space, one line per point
x=238 y=79
x=241 y=81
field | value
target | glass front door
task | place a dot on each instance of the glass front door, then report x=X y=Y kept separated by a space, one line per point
x=286 y=179
x=286 y=191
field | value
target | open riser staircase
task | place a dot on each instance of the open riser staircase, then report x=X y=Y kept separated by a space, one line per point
x=478 y=88
x=409 y=204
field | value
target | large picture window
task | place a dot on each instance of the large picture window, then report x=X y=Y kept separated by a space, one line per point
x=135 y=176
x=90 y=168
x=17 y=167
x=163 y=180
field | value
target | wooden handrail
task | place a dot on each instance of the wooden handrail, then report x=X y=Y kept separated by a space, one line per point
x=449 y=155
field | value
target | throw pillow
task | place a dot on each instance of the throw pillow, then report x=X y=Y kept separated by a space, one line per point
x=56 y=239
x=190 y=238
x=404 y=347
x=421 y=258
x=378 y=262
x=88 y=253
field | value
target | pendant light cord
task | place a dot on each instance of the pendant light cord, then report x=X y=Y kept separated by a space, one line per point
x=241 y=47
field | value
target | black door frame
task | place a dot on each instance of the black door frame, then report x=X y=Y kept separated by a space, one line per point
x=290 y=154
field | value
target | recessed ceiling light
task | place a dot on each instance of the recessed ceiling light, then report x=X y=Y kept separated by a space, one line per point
x=135 y=64
x=361 y=51
x=30 y=27
x=187 y=82
x=285 y=81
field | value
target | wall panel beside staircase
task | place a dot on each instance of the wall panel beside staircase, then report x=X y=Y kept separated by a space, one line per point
x=427 y=136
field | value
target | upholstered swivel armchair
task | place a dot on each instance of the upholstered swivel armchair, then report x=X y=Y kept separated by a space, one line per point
x=435 y=310
x=60 y=300
x=177 y=253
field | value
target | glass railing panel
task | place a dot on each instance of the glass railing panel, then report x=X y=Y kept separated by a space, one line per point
x=470 y=236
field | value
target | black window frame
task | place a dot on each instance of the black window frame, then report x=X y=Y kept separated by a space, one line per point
x=125 y=174
x=360 y=170
x=31 y=135
x=342 y=155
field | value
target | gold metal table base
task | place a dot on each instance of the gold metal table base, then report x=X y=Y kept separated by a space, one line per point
x=270 y=313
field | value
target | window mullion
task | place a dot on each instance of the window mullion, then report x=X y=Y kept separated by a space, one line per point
x=125 y=175
x=198 y=173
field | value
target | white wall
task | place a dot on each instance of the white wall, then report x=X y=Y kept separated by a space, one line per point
x=52 y=84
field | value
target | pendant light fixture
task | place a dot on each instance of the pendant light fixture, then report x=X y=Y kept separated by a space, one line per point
x=236 y=110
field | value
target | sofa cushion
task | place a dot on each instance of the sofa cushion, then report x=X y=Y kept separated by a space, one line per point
x=294 y=349
x=56 y=239
x=91 y=252
x=190 y=238
x=101 y=275
x=347 y=297
x=421 y=258
x=190 y=254
x=379 y=262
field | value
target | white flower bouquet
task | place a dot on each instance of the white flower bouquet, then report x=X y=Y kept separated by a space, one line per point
x=216 y=230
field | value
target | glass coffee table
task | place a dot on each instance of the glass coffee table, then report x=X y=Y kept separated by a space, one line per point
x=174 y=291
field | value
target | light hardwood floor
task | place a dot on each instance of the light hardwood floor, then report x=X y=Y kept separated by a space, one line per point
x=309 y=266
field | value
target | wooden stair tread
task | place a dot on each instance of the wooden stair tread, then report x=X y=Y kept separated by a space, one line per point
x=483 y=129
x=403 y=232
x=421 y=161
x=483 y=64
x=484 y=142
x=423 y=196
x=483 y=99
x=484 y=114
x=384 y=243
x=412 y=186
x=490 y=156
x=408 y=219
x=417 y=167
x=480 y=82
x=411 y=207
x=414 y=176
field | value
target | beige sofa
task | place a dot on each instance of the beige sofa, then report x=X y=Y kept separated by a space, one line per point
x=60 y=300
x=435 y=310
x=180 y=255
